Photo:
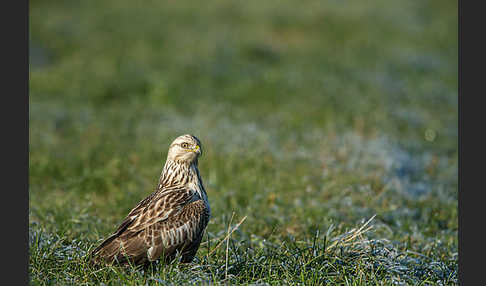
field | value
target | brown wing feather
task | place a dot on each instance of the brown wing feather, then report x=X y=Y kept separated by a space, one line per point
x=182 y=232
x=137 y=233
x=160 y=208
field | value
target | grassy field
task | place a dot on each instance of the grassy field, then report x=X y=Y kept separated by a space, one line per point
x=329 y=131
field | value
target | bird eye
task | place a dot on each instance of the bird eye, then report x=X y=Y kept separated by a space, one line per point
x=184 y=145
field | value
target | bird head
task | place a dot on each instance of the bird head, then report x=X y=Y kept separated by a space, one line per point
x=185 y=149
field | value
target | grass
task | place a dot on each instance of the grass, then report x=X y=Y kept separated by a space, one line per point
x=314 y=116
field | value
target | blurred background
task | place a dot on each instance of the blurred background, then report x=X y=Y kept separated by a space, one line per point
x=309 y=112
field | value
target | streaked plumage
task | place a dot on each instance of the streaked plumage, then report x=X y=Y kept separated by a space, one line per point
x=170 y=220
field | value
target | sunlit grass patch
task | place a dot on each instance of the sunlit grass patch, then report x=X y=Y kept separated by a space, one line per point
x=334 y=256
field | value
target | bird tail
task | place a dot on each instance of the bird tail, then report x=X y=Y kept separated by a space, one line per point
x=120 y=250
x=106 y=251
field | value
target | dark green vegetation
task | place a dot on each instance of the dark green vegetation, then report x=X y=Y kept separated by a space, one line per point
x=314 y=116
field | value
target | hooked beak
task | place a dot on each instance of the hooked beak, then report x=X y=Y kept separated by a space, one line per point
x=197 y=150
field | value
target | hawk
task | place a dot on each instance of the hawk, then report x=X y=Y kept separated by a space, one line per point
x=171 y=220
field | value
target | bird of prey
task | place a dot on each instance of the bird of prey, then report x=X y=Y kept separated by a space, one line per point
x=171 y=220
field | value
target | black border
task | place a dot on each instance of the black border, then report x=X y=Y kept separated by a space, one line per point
x=471 y=89
x=14 y=23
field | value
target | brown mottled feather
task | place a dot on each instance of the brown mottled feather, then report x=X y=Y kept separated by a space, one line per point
x=170 y=220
